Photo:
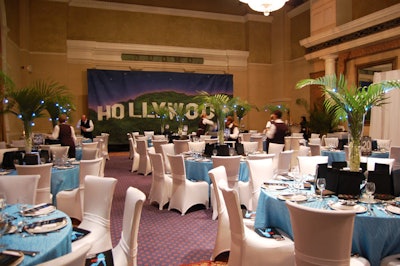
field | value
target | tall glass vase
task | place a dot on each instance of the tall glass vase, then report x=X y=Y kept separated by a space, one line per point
x=356 y=127
x=221 y=128
x=28 y=136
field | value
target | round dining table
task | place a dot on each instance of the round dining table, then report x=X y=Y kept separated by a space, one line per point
x=46 y=246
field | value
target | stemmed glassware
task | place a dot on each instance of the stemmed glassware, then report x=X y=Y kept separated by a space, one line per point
x=370 y=190
x=321 y=184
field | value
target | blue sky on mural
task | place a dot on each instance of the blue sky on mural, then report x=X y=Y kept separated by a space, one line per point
x=106 y=87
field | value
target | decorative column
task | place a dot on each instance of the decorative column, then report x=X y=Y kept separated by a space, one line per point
x=330 y=64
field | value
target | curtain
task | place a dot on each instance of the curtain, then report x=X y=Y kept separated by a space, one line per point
x=385 y=120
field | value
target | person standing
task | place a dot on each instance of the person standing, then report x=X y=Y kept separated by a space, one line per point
x=65 y=134
x=278 y=129
x=86 y=126
x=203 y=124
x=304 y=127
x=232 y=129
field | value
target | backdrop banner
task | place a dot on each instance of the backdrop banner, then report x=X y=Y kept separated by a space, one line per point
x=126 y=101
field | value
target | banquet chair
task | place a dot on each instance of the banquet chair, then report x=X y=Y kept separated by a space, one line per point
x=106 y=137
x=19 y=188
x=232 y=167
x=167 y=149
x=144 y=161
x=223 y=238
x=3 y=145
x=308 y=164
x=314 y=135
x=314 y=141
x=148 y=133
x=43 y=194
x=181 y=145
x=331 y=176
x=304 y=151
x=249 y=147
x=198 y=146
x=10 y=158
x=204 y=137
x=71 y=201
x=91 y=145
x=395 y=154
x=76 y=258
x=161 y=185
x=59 y=152
x=246 y=246
x=125 y=253
x=284 y=160
x=3 y=151
x=211 y=141
x=315 y=149
x=332 y=246
x=246 y=136
x=332 y=142
x=260 y=171
x=20 y=143
x=275 y=148
x=371 y=161
x=259 y=139
x=349 y=183
x=382 y=178
x=99 y=192
x=158 y=137
x=383 y=144
x=260 y=156
x=135 y=156
x=293 y=143
x=392 y=260
x=47 y=148
x=185 y=193
x=130 y=145
x=157 y=144
x=90 y=154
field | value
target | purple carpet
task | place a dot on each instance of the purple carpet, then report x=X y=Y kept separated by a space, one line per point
x=165 y=237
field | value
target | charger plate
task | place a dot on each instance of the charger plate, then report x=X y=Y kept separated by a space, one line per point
x=339 y=206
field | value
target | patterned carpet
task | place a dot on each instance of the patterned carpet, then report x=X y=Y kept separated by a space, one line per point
x=165 y=237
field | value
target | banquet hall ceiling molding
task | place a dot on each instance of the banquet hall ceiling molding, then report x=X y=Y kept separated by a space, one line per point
x=366 y=30
x=92 y=51
x=168 y=11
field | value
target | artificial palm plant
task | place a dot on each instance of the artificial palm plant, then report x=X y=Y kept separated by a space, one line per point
x=242 y=108
x=162 y=111
x=30 y=102
x=350 y=103
x=220 y=104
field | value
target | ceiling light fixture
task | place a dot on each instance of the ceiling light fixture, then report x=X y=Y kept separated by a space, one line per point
x=265 y=6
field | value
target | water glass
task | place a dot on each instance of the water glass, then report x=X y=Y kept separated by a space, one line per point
x=321 y=184
x=370 y=190
x=3 y=201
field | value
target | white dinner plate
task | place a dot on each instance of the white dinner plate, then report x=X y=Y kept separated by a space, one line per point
x=4 y=173
x=75 y=162
x=366 y=200
x=340 y=206
x=40 y=209
x=292 y=197
x=7 y=256
x=45 y=228
x=393 y=209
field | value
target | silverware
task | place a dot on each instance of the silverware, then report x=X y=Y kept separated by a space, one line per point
x=25 y=252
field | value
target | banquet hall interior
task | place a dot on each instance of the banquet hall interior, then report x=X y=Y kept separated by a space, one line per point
x=262 y=56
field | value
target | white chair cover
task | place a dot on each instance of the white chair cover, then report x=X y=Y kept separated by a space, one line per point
x=19 y=188
x=161 y=185
x=125 y=253
x=308 y=164
x=43 y=194
x=144 y=160
x=185 y=193
x=76 y=258
x=247 y=247
x=334 y=248
x=181 y=145
x=167 y=149
x=99 y=192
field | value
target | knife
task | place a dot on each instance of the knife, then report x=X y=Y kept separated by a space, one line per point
x=25 y=252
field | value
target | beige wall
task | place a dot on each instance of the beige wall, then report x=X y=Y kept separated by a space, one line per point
x=275 y=60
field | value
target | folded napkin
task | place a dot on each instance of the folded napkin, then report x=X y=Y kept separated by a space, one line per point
x=46 y=223
x=36 y=208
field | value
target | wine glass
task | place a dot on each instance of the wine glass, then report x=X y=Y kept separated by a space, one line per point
x=215 y=152
x=321 y=184
x=3 y=201
x=231 y=151
x=370 y=190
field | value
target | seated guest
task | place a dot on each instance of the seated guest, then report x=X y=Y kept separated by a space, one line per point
x=65 y=134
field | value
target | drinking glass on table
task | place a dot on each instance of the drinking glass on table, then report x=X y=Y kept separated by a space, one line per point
x=370 y=190
x=3 y=201
x=321 y=184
